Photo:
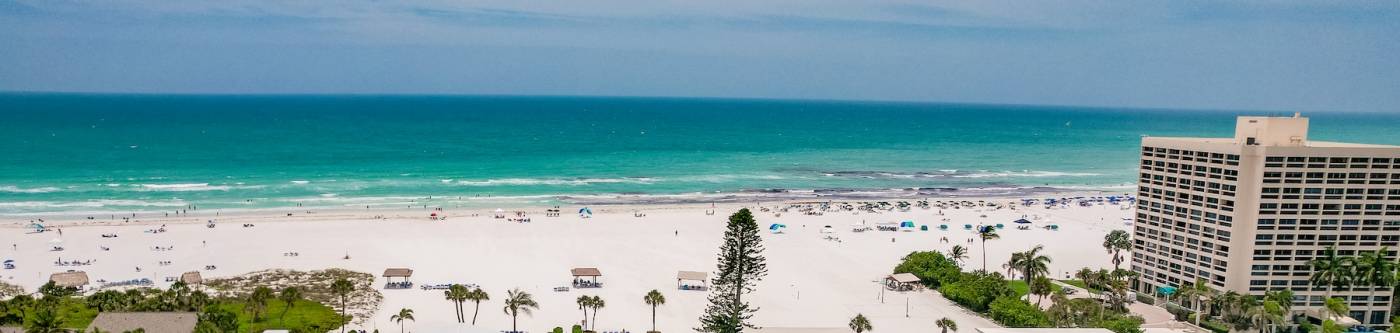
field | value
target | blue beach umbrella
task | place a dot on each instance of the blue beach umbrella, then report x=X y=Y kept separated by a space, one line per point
x=1022 y=221
x=775 y=226
x=906 y=224
x=585 y=211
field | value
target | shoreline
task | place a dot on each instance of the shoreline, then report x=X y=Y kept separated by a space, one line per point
x=599 y=203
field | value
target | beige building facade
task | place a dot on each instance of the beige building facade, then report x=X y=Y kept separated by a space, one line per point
x=1248 y=213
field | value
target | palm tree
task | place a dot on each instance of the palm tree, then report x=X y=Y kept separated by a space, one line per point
x=289 y=296
x=1014 y=264
x=404 y=314
x=1372 y=269
x=1086 y=276
x=1115 y=243
x=986 y=233
x=1198 y=292
x=958 y=254
x=596 y=303
x=1336 y=307
x=1282 y=297
x=1268 y=315
x=1329 y=270
x=476 y=296
x=1040 y=287
x=946 y=324
x=860 y=324
x=257 y=301
x=342 y=288
x=584 y=303
x=518 y=302
x=457 y=294
x=654 y=298
x=45 y=320
x=1033 y=263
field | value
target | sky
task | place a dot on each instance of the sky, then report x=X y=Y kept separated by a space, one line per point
x=1313 y=55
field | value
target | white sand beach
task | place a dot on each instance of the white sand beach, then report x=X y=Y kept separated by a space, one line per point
x=812 y=281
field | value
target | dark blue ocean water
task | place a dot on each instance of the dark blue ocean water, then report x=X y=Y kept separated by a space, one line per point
x=61 y=152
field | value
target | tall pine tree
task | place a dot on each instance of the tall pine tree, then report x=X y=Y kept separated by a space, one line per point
x=741 y=266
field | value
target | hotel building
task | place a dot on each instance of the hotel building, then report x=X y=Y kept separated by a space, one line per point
x=1248 y=213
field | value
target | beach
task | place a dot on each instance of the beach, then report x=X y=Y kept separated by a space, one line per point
x=815 y=279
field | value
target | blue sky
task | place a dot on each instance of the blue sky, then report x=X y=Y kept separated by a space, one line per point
x=1264 y=55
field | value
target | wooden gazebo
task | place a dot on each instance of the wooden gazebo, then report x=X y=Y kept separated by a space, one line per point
x=586 y=272
x=401 y=273
x=902 y=281
x=683 y=276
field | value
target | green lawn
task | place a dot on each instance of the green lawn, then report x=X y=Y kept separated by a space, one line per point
x=1022 y=289
x=75 y=313
x=304 y=316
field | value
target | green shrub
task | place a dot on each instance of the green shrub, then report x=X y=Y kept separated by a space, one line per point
x=1216 y=327
x=932 y=268
x=1146 y=299
x=1011 y=312
x=557 y=329
x=577 y=329
x=977 y=290
x=1123 y=324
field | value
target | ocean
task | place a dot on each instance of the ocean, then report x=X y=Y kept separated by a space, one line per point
x=79 y=153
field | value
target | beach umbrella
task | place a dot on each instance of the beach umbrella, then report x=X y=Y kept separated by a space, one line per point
x=776 y=226
x=585 y=211
x=1022 y=221
x=498 y=210
x=906 y=224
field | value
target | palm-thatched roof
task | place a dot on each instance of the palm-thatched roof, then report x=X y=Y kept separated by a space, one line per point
x=151 y=322
x=72 y=279
x=192 y=278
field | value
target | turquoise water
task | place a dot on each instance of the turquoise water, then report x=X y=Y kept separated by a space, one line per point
x=94 y=153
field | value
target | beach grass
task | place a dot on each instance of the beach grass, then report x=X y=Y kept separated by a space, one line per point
x=304 y=316
x=1022 y=289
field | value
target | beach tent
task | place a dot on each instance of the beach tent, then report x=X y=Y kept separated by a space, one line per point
x=909 y=225
x=1022 y=221
x=9 y=264
x=776 y=228
x=585 y=212
x=1167 y=291
x=942 y=227
x=37 y=227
